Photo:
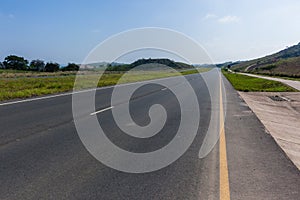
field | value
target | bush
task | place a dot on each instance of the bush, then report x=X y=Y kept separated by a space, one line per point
x=71 y=67
x=15 y=62
x=51 y=67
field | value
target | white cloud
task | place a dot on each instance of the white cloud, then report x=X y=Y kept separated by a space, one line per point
x=229 y=19
x=209 y=16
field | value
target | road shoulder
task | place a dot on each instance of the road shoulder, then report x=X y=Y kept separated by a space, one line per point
x=258 y=168
x=280 y=114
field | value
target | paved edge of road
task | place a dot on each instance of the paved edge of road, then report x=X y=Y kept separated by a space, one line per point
x=263 y=111
x=252 y=106
x=291 y=83
x=258 y=167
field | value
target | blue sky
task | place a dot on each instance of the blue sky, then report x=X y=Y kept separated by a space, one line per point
x=65 y=31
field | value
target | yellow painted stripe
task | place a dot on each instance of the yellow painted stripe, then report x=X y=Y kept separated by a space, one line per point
x=224 y=180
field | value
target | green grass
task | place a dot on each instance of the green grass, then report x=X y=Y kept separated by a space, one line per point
x=29 y=87
x=24 y=87
x=12 y=71
x=193 y=71
x=253 y=84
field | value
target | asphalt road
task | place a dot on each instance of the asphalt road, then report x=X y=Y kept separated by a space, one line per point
x=42 y=156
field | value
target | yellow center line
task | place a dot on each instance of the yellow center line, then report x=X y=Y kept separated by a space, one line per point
x=224 y=181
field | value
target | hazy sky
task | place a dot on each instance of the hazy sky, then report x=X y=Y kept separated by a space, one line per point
x=65 y=31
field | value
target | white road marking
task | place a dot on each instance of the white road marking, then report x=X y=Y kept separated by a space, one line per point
x=99 y=111
x=164 y=88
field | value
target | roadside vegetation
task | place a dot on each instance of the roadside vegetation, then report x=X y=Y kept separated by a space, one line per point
x=24 y=87
x=252 y=84
x=20 y=80
x=7 y=73
x=18 y=63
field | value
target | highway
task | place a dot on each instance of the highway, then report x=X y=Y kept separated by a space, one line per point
x=42 y=156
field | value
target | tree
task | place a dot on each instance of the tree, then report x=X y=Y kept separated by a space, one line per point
x=51 y=67
x=37 y=65
x=2 y=65
x=15 y=62
x=71 y=67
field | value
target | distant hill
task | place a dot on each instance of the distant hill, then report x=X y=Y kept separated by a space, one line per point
x=283 y=63
x=149 y=64
x=99 y=64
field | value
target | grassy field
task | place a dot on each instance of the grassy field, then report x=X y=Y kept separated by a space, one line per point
x=252 y=84
x=22 y=86
x=8 y=73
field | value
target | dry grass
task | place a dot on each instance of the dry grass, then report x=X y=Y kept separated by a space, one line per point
x=24 y=85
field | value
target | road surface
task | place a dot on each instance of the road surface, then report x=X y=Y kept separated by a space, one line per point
x=42 y=156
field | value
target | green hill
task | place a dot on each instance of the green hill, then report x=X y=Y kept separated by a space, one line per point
x=283 y=63
x=149 y=64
